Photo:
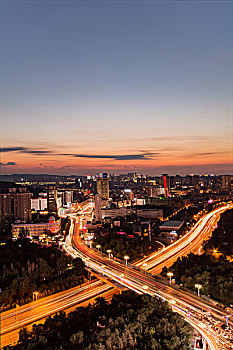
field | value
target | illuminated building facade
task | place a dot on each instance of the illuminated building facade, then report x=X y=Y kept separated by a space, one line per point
x=102 y=186
x=52 y=227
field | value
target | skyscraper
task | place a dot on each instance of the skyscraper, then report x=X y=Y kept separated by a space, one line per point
x=52 y=199
x=102 y=187
x=166 y=184
x=226 y=182
x=15 y=204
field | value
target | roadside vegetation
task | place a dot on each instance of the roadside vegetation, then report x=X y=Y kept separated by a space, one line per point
x=122 y=245
x=129 y=321
x=214 y=268
x=27 y=267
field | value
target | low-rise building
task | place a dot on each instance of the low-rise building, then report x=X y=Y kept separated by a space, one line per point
x=171 y=225
x=38 y=229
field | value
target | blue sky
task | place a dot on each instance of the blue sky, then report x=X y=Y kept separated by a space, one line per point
x=116 y=78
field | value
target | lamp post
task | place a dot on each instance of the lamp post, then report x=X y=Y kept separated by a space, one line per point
x=98 y=247
x=198 y=286
x=35 y=293
x=90 y=244
x=126 y=257
x=109 y=253
x=170 y=274
x=121 y=275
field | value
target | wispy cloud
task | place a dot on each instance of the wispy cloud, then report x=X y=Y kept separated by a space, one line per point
x=204 y=154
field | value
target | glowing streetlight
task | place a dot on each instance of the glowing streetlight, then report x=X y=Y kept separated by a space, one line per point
x=145 y=287
x=170 y=274
x=198 y=286
x=98 y=247
x=109 y=253
x=126 y=257
x=36 y=294
x=90 y=243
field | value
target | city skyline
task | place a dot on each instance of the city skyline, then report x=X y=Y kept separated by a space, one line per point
x=142 y=86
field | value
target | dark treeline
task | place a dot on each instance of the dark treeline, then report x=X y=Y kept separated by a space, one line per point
x=214 y=268
x=26 y=267
x=130 y=321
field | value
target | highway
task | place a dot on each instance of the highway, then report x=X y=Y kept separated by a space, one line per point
x=189 y=242
x=140 y=281
x=14 y=319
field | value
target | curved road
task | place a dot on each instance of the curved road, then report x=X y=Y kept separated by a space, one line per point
x=194 y=308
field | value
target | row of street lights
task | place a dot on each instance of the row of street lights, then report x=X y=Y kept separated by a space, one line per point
x=197 y=285
x=109 y=251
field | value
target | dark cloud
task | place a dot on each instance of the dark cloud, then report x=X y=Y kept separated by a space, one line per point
x=12 y=149
x=36 y=152
x=9 y=163
x=117 y=157
x=140 y=156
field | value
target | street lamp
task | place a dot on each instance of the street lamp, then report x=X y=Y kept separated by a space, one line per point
x=36 y=294
x=126 y=257
x=144 y=266
x=90 y=244
x=170 y=274
x=98 y=247
x=109 y=253
x=198 y=286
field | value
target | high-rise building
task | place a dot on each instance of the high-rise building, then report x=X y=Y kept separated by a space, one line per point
x=102 y=187
x=226 y=182
x=165 y=184
x=98 y=204
x=52 y=199
x=15 y=205
x=22 y=206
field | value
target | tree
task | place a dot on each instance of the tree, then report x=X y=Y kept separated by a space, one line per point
x=24 y=335
x=45 y=270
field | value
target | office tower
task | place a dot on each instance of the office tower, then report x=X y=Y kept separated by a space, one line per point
x=165 y=184
x=226 y=182
x=15 y=205
x=103 y=188
x=98 y=211
x=22 y=206
x=52 y=199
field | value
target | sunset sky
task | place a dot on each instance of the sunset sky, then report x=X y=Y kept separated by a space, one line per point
x=116 y=86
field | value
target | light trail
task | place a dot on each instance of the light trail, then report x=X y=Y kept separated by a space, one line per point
x=143 y=283
x=185 y=244
x=17 y=318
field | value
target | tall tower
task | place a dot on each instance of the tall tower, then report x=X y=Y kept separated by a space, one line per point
x=102 y=187
x=52 y=199
x=166 y=184
x=226 y=182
